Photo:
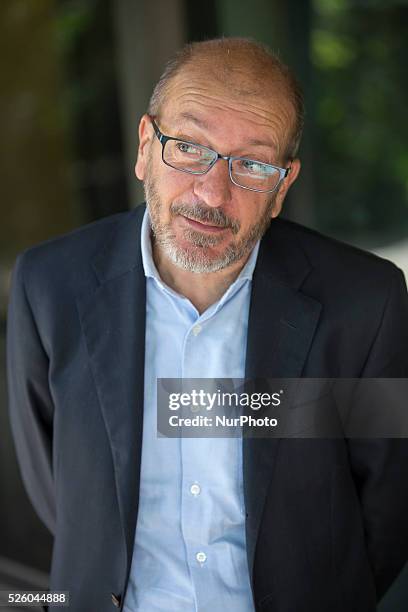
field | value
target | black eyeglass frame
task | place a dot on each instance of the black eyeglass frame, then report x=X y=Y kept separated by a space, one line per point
x=163 y=139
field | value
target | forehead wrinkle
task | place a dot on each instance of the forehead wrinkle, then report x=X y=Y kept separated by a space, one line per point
x=259 y=117
x=223 y=100
x=202 y=123
x=190 y=83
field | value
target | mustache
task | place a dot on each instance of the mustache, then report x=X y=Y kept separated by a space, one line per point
x=206 y=214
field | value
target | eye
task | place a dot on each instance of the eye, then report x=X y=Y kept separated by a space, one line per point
x=188 y=149
x=254 y=167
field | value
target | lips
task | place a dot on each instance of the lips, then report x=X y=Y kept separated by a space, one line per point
x=203 y=227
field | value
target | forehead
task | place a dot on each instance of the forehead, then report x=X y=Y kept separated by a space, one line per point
x=237 y=105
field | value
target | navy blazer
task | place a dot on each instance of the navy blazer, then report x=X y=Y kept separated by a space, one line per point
x=326 y=520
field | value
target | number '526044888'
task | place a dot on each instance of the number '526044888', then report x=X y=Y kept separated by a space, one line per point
x=34 y=598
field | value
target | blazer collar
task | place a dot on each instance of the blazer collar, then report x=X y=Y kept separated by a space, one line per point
x=121 y=253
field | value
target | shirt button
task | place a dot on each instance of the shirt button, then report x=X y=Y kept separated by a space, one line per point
x=197 y=329
x=201 y=557
x=195 y=489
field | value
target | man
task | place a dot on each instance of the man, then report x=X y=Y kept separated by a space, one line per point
x=208 y=283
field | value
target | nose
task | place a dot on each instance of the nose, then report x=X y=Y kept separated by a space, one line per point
x=214 y=187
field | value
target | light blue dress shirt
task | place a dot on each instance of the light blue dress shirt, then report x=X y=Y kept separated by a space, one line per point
x=190 y=549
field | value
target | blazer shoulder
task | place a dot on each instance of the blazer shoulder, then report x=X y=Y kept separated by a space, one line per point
x=337 y=258
x=87 y=238
x=61 y=266
x=71 y=251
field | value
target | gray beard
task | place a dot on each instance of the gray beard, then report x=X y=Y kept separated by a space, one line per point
x=196 y=258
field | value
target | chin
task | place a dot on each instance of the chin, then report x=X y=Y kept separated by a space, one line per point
x=200 y=260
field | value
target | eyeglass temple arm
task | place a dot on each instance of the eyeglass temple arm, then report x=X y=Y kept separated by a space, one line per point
x=155 y=127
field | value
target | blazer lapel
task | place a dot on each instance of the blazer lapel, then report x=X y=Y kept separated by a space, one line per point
x=113 y=322
x=281 y=326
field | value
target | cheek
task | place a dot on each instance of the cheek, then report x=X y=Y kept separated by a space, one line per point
x=253 y=210
x=177 y=186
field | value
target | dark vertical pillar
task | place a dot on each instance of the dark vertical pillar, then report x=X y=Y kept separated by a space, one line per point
x=201 y=20
x=297 y=18
x=285 y=27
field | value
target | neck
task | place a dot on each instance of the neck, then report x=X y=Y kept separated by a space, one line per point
x=201 y=289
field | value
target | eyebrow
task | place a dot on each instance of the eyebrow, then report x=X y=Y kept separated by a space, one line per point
x=201 y=123
x=194 y=119
x=262 y=143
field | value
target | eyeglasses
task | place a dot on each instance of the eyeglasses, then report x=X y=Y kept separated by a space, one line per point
x=197 y=159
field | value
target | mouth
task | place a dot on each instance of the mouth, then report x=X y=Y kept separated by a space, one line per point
x=204 y=227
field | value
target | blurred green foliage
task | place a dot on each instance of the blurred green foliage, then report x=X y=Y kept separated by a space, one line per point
x=36 y=188
x=359 y=53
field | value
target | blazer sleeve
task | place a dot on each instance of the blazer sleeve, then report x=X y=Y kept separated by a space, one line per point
x=380 y=466
x=30 y=403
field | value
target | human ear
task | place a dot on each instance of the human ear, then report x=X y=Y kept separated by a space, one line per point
x=145 y=136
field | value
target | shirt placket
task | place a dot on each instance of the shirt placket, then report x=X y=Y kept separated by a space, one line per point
x=195 y=484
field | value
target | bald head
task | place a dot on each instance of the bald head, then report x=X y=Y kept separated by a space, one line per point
x=245 y=69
